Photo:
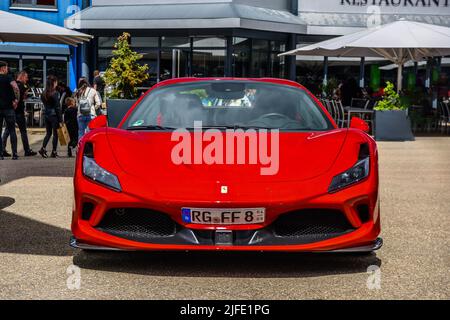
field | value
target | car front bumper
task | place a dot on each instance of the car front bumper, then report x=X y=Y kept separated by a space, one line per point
x=361 y=237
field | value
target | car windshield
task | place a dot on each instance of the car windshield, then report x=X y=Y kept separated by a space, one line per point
x=228 y=104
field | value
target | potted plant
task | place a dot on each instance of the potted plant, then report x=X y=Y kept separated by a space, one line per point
x=123 y=76
x=391 y=118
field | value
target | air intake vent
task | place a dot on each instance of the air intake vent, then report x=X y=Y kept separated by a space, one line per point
x=312 y=225
x=88 y=209
x=137 y=224
x=363 y=212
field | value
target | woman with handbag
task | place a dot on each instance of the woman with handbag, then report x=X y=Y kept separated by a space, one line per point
x=88 y=102
x=52 y=115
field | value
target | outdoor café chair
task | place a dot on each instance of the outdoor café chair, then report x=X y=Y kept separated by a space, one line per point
x=340 y=113
x=444 y=116
x=360 y=103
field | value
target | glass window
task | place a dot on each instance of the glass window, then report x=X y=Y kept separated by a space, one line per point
x=208 y=63
x=144 y=42
x=57 y=68
x=175 y=42
x=241 y=57
x=106 y=42
x=104 y=57
x=174 y=60
x=151 y=59
x=260 y=58
x=310 y=74
x=209 y=42
x=277 y=66
x=148 y=47
x=34 y=68
x=34 y=3
x=105 y=49
x=229 y=104
x=13 y=65
x=277 y=46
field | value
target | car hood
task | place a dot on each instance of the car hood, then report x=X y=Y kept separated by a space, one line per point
x=148 y=156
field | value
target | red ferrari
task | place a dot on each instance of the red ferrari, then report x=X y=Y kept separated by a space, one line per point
x=227 y=164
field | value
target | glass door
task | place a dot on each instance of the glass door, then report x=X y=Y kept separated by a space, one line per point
x=174 y=64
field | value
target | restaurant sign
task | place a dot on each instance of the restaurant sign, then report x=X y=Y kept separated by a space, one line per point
x=397 y=3
x=400 y=7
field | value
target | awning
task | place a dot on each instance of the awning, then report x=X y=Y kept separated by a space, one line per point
x=186 y=16
x=17 y=28
x=399 y=42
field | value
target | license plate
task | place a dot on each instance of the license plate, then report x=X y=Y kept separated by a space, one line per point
x=223 y=216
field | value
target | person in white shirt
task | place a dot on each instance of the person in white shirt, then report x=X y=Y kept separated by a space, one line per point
x=88 y=102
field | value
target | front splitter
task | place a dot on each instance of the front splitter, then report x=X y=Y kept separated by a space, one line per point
x=377 y=244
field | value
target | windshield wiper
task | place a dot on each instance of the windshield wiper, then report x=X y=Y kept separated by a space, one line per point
x=151 y=127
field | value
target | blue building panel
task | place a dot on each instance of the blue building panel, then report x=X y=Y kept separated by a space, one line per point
x=64 y=9
x=51 y=16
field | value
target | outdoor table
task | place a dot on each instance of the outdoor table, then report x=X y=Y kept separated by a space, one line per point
x=359 y=111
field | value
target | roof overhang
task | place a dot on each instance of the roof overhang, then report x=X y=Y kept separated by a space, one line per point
x=185 y=16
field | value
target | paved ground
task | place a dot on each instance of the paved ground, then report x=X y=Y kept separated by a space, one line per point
x=35 y=202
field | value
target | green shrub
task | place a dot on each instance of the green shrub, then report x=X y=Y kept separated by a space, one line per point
x=391 y=99
x=124 y=74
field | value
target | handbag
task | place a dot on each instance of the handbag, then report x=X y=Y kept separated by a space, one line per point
x=63 y=135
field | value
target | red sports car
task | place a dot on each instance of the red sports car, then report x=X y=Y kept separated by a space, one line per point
x=227 y=164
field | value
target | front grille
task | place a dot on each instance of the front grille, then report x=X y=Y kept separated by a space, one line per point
x=137 y=224
x=311 y=225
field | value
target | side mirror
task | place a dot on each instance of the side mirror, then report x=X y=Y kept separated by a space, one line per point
x=358 y=123
x=98 y=122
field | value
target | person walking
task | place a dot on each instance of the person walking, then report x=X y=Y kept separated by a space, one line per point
x=88 y=101
x=99 y=84
x=70 y=119
x=52 y=115
x=22 y=81
x=350 y=90
x=9 y=96
x=64 y=92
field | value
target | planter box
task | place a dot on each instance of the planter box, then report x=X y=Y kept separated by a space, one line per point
x=116 y=110
x=393 y=125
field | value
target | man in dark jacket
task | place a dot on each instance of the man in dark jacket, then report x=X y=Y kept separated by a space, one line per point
x=9 y=94
x=99 y=84
x=22 y=80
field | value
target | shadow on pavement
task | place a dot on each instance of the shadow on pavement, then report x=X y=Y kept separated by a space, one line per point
x=225 y=264
x=11 y=170
x=22 y=235
x=6 y=202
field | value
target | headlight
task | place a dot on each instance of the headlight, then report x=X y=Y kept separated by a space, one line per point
x=353 y=175
x=93 y=171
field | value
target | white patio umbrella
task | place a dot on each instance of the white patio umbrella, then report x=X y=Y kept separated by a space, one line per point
x=17 y=28
x=399 y=42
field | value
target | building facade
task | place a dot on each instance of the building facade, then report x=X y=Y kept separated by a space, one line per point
x=242 y=38
x=41 y=60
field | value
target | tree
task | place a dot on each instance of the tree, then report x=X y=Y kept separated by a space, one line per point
x=124 y=73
